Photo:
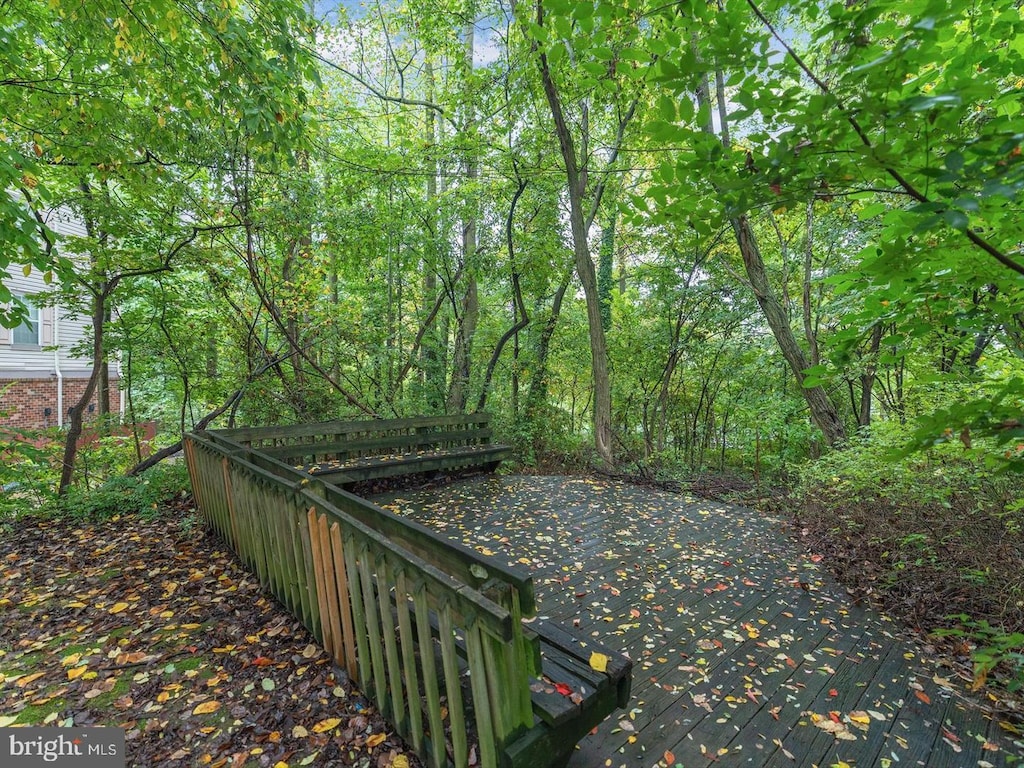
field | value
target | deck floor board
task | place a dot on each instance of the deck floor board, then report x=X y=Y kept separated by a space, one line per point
x=745 y=652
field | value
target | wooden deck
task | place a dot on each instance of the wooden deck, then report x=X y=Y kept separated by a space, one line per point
x=736 y=663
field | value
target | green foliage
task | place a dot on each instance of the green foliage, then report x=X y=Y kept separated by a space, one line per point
x=28 y=473
x=875 y=465
x=123 y=495
x=30 y=470
x=995 y=651
x=926 y=533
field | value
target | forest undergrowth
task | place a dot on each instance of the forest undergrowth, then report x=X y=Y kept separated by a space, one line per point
x=934 y=539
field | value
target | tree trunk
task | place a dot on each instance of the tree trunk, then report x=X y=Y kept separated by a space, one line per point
x=809 y=330
x=458 y=394
x=538 y=391
x=76 y=414
x=606 y=257
x=867 y=379
x=431 y=367
x=823 y=412
x=576 y=185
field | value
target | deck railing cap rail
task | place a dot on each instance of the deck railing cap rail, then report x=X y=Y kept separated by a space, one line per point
x=342 y=426
x=497 y=619
x=522 y=582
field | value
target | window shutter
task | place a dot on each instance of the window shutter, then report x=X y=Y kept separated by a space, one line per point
x=46 y=326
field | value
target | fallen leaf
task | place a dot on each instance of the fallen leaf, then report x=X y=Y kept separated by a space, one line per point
x=598 y=662
x=670 y=758
x=376 y=740
x=24 y=681
x=923 y=697
x=206 y=708
x=327 y=725
x=118 y=607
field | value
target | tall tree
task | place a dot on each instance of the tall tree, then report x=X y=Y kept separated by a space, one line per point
x=579 y=161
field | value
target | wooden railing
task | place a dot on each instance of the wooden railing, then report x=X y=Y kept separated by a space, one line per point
x=352 y=451
x=404 y=628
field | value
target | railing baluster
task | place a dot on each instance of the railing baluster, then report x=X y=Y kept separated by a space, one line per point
x=387 y=623
x=408 y=642
x=376 y=647
x=431 y=685
x=344 y=608
x=450 y=662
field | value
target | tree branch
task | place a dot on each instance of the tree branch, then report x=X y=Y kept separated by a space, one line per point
x=898 y=177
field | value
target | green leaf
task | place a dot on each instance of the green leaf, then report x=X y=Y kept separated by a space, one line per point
x=956 y=219
x=871 y=211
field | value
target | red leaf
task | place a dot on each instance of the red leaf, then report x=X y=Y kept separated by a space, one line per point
x=563 y=689
x=262 y=661
x=833 y=692
x=923 y=697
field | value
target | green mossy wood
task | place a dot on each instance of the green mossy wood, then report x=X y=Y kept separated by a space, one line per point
x=430 y=629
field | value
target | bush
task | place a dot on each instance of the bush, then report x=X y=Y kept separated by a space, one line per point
x=28 y=472
x=30 y=463
x=122 y=495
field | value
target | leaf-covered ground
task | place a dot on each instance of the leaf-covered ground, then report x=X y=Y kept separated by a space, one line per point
x=153 y=627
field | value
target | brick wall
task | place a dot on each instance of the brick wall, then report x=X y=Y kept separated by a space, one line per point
x=23 y=402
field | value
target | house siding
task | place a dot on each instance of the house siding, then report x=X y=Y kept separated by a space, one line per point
x=30 y=374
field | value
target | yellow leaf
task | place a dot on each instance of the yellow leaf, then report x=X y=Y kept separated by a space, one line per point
x=23 y=681
x=841 y=764
x=299 y=732
x=70 y=661
x=327 y=725
x=598 y=662
x=860 y=717
x=375 y=740
x=206 y=708
x=400 y=761
x=118 y=607
x=75 y=672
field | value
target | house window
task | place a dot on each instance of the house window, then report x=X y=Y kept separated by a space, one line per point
x=28 y=332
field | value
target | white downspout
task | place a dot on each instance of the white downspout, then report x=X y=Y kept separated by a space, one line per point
x=56 y=366
x=120 y=386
